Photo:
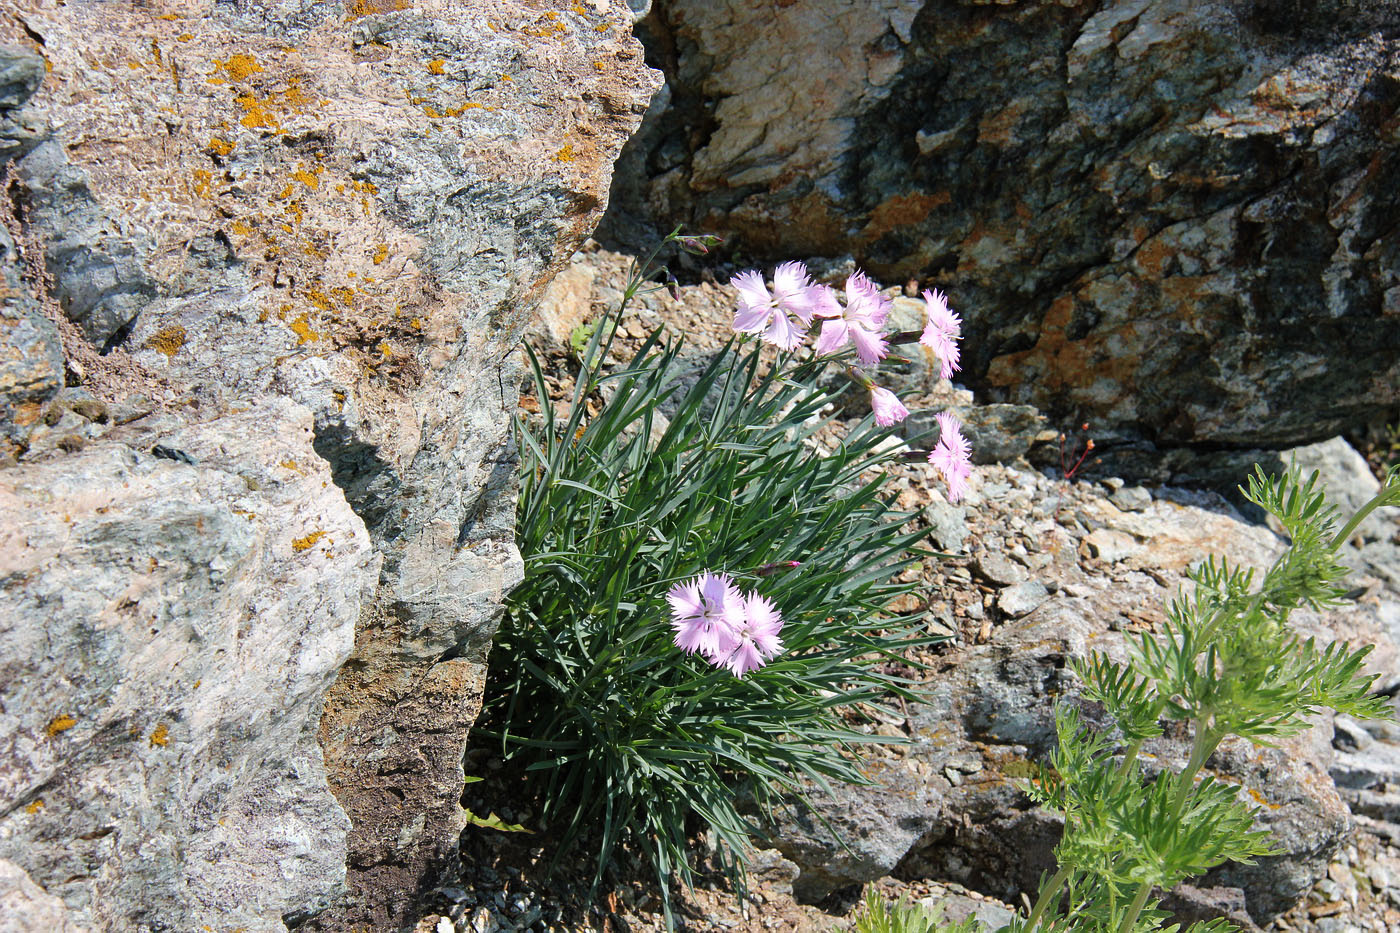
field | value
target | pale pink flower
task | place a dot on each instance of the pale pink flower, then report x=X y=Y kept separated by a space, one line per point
x=705 y=612
x=951 y=456
x=781 y=316
x=887 y=407
x=942 y=332
x=859 y=322
x=756 y=637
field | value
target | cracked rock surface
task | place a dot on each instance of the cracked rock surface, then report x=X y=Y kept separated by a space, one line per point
x=1167 y=217
x=324 y=223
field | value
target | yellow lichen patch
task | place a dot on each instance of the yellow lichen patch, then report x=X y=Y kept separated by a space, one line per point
x=185 y=36
x=167 y=340
x=241 y=229
x=256 y=115
x=318 y=298
x=381 y=253
x=293 y=466
x=34 y=806
x=435 y=66
x=600 y=66
x=432 y=112
x=202 y=180
x=546 y=30
x=169 y=17
x=359 y=8
x=345 y=296
x=565 y=154
x=577 y=7
x=238 y=67
x=219 y=146
x=302 y=328
x=296 y=98
x=308 y=179
x=308 y=542
x=60 y=724
x=297 y=212
x=160 y=737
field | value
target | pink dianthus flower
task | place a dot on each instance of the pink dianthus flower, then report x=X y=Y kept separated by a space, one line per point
x=859 y=321
x=888 y=408
x=705 y=612
x=756 y=636
x=952 y=456
x=942 y=332
x=781 y=316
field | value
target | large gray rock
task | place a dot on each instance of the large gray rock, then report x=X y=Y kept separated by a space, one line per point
x=27 y=908
x=354 y=206
x=176 y=601
x=1166 y=216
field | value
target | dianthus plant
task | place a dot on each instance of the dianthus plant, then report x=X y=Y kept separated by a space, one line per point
x=709 y=590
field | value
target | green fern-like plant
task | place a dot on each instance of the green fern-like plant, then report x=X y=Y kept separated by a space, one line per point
x=1226 y=663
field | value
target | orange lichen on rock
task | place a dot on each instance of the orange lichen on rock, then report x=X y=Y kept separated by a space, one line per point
x=566 y=154
x=302 y=328
x=237 y=68
x=219 y=146
x=202 y=180
x=59 y=725
x=34 y=806
x=308 y=179
x=436 y=66
x=160 y=737
x=255 y=113
x=381 y=253
x=167 y=340
x=360 y=8
x=308 y=542
x=318 y=298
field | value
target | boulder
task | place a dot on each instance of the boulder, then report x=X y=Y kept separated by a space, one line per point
x=1162 y=216
x=353 y=207
x=177 y=600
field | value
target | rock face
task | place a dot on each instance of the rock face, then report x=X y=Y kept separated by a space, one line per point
x=287 y=246
x=172 y=623
x=1162 y=216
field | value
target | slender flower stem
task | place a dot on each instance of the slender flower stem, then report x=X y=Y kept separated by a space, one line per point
x=1206 y=742
x=1135 y=908
x=1047 y=896
x=1130 y=757
x=1386 y=496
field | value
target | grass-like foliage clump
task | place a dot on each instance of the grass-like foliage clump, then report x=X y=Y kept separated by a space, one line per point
x=876 y=916
x=632 y=738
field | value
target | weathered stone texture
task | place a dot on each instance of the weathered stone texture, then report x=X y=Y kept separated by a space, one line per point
x=353 y=206
x=170 y=627
x=1171 y=217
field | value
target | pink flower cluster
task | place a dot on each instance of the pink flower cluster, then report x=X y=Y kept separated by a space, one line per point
x=952 y=456
x=728 y=628
x=784 y=315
